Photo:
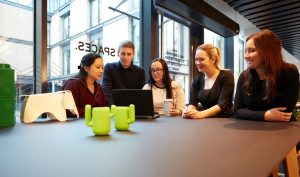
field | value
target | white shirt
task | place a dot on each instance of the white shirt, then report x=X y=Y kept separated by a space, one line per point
x=159 y=94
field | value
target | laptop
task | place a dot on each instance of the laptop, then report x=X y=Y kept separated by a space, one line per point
x=142 y=100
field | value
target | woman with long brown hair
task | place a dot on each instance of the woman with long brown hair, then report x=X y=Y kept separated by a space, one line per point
x=268 y=89
x=163 y=87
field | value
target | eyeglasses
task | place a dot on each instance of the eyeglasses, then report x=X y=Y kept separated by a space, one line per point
x=158 y=71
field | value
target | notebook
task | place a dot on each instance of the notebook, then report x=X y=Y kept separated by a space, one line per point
x=142 y=100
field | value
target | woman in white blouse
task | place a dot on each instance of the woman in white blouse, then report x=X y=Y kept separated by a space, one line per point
x=163 y=87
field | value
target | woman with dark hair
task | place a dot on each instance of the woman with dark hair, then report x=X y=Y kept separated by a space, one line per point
x=212 y=89
x=268 y=89
x=163 y=87
x=84 y=87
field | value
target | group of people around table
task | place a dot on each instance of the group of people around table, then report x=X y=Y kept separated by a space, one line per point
x=266 y=91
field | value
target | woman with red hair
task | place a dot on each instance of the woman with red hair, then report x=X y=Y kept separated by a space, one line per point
x=268 y=89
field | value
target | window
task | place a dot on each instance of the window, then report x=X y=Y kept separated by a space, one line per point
x=174 y=38
x=96 y=39
x=16 y=44
x=135 y=36
x=54 y=5
x=66 y=59
x=241 y=54
x=239 y=64
x=217 y=40
x=65 y=25
x=81 y=26
x=95 y=12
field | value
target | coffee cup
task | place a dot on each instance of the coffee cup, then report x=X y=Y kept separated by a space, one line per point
x=167 y=106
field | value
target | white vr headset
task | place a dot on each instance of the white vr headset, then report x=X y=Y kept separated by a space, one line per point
x=53 y=104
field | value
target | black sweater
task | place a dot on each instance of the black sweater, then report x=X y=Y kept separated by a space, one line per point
x=253 y=107
x=220 y=94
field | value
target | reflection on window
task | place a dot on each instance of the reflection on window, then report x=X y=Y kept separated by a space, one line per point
x=16 y=44
x=96 y=26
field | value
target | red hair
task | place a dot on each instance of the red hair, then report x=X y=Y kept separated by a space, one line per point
x=268 y=45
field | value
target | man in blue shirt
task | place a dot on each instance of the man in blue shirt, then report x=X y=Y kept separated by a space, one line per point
x=123 y=74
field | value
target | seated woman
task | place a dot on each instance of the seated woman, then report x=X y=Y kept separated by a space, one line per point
x=213 y=88
x=164 y=88
x=84 y=87
x=268 y=89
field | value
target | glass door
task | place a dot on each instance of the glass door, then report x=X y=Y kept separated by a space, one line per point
x=16 y=45
x=174 y=42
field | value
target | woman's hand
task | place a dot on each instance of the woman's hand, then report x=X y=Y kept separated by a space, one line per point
x=192 y=113
x=277 y=114
x=175 y=112
x=188 y=109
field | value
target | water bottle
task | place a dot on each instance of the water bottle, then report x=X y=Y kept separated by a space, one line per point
x=7 y=95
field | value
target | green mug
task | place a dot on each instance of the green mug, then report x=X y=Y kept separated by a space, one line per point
x=124 y=116
x=98 y=118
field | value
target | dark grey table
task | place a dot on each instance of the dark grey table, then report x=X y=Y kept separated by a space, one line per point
x=166 y=147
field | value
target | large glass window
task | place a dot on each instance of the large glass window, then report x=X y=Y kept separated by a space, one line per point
x=16 y=44
x=217 y=40
x=84 y=26
x=174 y=39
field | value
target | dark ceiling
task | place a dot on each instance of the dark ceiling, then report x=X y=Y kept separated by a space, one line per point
x=280 y=16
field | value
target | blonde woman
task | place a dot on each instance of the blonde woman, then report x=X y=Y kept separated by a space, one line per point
x=212 y=89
